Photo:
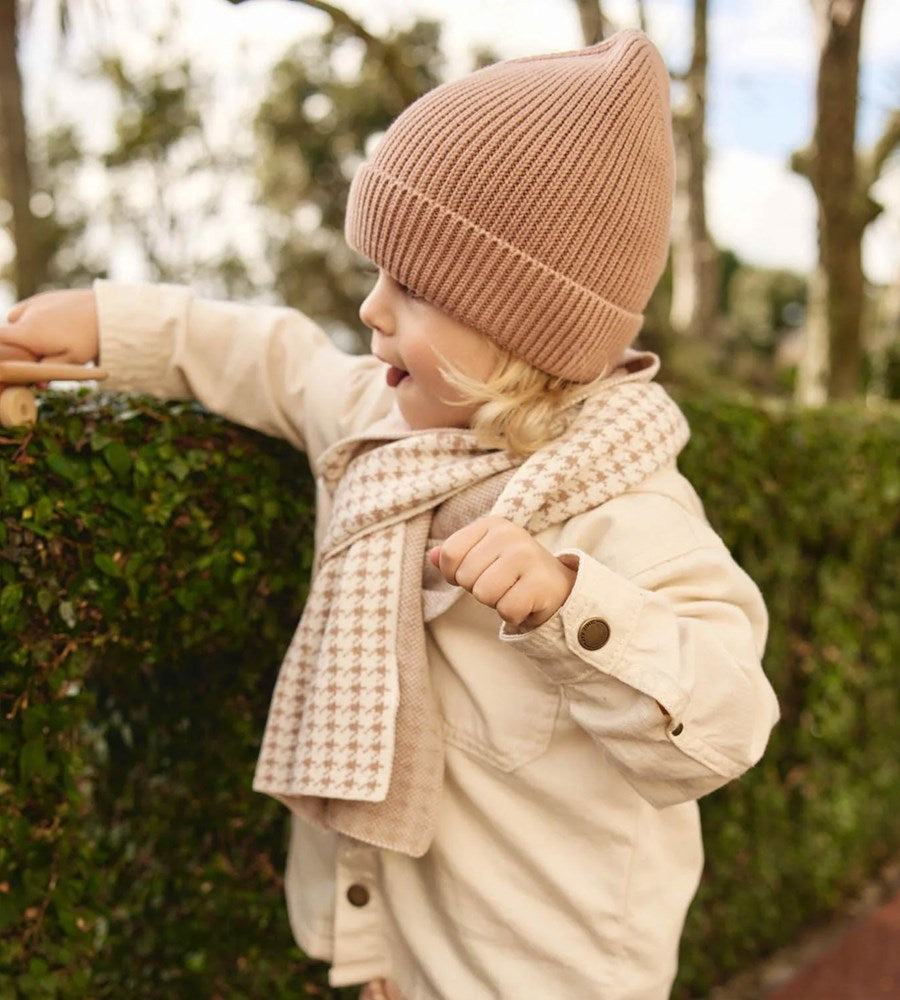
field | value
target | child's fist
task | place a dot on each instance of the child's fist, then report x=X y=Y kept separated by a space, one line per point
x=503 y=567
x=55 y=326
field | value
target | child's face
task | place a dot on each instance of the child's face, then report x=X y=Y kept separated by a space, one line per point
x=415 y=339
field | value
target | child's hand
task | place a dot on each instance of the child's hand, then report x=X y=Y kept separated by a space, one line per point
x=502 y=566
x=55 y=326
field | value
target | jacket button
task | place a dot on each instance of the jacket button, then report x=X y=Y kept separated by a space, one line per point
x=357 y=895
x=593 y=634
x=678 y=730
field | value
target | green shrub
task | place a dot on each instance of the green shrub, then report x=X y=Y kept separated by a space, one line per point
x=153 y=572
x=808 y=502
x=154 y=566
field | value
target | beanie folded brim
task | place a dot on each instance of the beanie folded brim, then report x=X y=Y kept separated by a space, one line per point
x=523 y=305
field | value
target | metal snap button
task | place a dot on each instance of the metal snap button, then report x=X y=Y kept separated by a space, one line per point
x=593 y=634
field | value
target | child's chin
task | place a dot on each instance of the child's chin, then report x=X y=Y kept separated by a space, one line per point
x=424 y=415
x=417 y=420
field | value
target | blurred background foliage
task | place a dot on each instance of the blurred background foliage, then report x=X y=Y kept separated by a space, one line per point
x=170 y=187
x=315 y=125
x=107 y=777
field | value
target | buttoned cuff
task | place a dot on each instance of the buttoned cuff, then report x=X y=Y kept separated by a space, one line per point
x=593 y=633
x=590 y=631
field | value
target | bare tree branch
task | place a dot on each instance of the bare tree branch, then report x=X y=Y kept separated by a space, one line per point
x=801 y=162
x=400 y=75
x=341 y=19
x=888 y=142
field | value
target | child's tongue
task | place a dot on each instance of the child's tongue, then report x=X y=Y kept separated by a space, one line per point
x=395 y=376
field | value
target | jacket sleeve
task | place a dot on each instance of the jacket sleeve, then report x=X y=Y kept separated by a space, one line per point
x=268 y=368
x=662 y=668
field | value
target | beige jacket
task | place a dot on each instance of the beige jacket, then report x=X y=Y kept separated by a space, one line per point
x=568 y=846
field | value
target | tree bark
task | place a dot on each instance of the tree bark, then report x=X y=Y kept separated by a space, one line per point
x=590 y=13
x=831 y=367
x=16 y=170
x=694 y=260
x=834 y=179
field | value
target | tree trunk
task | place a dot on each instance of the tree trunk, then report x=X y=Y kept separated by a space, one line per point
x=16 y=171
x=841 y=219
x=694 y=261
x=590 y=13
x=842 y=179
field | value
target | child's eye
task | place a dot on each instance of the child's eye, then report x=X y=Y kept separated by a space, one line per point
x=408 y=292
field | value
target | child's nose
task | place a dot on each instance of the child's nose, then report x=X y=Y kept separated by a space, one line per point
x=374 y=311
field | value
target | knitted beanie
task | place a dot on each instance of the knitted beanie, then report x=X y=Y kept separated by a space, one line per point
x=531 y=201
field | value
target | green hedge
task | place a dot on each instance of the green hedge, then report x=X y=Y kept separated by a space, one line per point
x=809 y=503
x=153 y=569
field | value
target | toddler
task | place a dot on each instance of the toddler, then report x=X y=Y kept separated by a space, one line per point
x=525 y=652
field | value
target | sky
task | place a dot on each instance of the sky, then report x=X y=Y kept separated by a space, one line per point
x=761 y=85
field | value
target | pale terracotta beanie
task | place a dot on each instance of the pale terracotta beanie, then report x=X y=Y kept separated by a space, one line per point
x=531 y=200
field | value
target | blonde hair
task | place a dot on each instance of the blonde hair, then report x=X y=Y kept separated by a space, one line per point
x=521 y=407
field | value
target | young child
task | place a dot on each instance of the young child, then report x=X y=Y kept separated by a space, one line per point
x=525 y=653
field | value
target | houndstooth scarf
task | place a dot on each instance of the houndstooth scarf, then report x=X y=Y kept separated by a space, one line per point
x=353 y=738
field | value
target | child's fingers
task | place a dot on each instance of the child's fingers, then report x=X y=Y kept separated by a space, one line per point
x=531 y=602
x=504 y=568
x=457 y=547
x=10 y=351
x=493 y=583
x=18 y=342
x=17 y=311
x=13 y=335
x=468 y=553
x=61 y=325
x=516 y=604
x=478 y=562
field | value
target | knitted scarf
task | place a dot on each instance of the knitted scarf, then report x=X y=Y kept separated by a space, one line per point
x=353 y=739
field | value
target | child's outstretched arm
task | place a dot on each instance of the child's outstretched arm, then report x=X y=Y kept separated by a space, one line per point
x=266 y=367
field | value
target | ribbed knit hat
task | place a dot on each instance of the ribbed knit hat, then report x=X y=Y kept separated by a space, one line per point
x=531 y=201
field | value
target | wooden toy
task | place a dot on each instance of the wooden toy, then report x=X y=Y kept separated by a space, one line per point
x=20 y=372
